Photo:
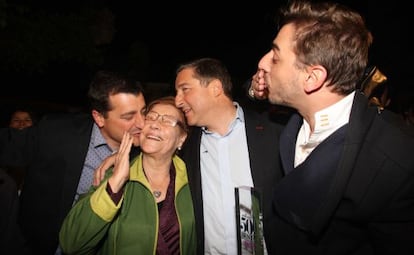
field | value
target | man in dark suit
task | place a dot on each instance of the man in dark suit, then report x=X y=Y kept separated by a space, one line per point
x=11 y=239
x=348 y=185
x=228 y=147
x=63 y=150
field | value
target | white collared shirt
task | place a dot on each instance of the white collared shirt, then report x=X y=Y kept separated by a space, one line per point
x=327 y=121
x=224 y=162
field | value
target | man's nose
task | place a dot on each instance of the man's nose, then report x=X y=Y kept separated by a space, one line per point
x=178 y=100
x=139 y=120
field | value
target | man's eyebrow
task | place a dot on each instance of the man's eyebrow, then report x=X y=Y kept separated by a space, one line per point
x=275 y=46
x=128 y=113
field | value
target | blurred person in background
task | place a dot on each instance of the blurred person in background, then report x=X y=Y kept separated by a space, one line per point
x=22 y=118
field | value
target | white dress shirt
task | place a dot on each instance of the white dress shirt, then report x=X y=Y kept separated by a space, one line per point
x=327 y=121
x=224 y=166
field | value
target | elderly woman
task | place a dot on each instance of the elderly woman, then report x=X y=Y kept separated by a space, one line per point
x=142 y=207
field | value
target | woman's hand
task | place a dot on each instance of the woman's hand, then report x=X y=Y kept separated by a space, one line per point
x=121 y=166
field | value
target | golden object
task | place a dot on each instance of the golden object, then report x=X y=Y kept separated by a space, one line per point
x=373 y=78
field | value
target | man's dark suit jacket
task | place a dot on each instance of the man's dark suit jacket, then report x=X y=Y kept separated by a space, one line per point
x=263 y=143
x=55 y=150
x=357 y=189
x=11 y=239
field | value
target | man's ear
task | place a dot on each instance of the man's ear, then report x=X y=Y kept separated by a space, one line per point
x=316 y=77
x=98 y=118
x=216 y=87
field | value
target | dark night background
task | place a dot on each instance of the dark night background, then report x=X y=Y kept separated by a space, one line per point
x=50 y=49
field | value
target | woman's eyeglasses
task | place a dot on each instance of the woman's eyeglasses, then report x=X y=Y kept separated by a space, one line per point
x=166 y=120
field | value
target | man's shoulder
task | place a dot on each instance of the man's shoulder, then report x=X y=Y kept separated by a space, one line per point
x=69 y=125
x=65 y=118
x=392 y=137
x=262 y=118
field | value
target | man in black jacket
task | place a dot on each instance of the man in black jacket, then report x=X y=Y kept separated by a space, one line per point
x=228 y=147
x=63 y=150
x=348 y=184
x=11 y=239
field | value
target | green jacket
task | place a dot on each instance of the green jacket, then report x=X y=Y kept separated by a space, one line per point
x=95 y=225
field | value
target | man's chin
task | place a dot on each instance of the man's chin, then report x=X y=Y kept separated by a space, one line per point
x=136 y=142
